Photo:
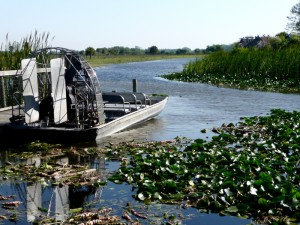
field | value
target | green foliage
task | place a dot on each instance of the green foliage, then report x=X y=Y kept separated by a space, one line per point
x=294 y=19
x=213 y=48
x=12 y=52
x=248 y=68
x=250 y=169
x=183 y=51
x=40 y=146
x=153 y=50
x=119 y=50
x=89 y=51
x=101 y=60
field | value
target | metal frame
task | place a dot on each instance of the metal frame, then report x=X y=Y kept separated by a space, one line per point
x=85 y=104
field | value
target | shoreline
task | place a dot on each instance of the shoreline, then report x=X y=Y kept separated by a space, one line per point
x=99 y=61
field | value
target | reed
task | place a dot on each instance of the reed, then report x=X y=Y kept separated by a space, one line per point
x=11 y=54
x=247 y=68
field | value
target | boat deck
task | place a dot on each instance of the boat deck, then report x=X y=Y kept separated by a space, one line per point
x=5 y=114
x=113 y=111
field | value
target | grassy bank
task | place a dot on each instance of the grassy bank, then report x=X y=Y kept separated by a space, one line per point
x=97 y=61
x=247 y=68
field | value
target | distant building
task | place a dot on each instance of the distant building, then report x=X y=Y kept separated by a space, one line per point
x=256 y=41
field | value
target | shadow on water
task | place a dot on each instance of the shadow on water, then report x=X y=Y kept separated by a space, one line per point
x=191 y=108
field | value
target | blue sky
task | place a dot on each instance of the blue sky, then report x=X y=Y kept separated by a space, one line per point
x=165 y=23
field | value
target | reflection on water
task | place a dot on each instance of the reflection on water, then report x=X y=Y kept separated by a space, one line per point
x=191 y=108
x=40 y=200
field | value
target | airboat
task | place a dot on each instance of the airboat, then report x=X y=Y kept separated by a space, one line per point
x=58 y=98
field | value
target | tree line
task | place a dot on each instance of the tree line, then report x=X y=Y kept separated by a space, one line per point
x=153 y=50
x=259 y=63
x=280 y=40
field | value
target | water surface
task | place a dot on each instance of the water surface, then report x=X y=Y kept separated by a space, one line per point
x=191 y=108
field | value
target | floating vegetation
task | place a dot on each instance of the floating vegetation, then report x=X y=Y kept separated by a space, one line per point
x=41 y=163
x=265 y=69
x=130 y=215
x=251 y=170
x=102 y=217
x=9 y=207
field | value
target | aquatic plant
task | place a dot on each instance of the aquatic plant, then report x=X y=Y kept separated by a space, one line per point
x=250 y=169
x=247 y=68
x=11 y=54
x=52 y=172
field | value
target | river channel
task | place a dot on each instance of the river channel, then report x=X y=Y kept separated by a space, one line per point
x=191 y=108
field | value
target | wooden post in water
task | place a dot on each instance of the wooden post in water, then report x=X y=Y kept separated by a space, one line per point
x=2 y=93
x=134 y=85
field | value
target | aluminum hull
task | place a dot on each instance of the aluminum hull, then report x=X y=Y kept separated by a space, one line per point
x=16 y=133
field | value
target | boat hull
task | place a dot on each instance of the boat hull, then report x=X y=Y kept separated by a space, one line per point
x=17 y=133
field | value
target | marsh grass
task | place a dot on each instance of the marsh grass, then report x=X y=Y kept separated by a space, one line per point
x=98 y=61
x=247 y=68
x=11 y=54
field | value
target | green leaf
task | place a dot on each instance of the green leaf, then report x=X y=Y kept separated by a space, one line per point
x=242 y=207
x=141 y=196
x=117 y=181
x=263 y=202
x=100 y=183
x=76 y=210
x=232 y=209
x=44 y=209
x=157 y=196
x=253 y=190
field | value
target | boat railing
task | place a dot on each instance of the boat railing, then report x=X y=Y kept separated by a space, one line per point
x=143 y=98
x=17 y=111
x=116 y=102
x=138 y=99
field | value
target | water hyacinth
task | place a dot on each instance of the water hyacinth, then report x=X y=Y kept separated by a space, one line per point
x=249 y=169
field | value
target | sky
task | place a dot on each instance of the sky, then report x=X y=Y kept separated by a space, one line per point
x=167 y=24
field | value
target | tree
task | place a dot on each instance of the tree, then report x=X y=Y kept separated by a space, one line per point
x=89 y=51
x=183 y=51
x=294 y=24
x=197 y=51
x=114 y=50
x=153 y=50
x=212 y=48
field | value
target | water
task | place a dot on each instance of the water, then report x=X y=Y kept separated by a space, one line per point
x=191 y=108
